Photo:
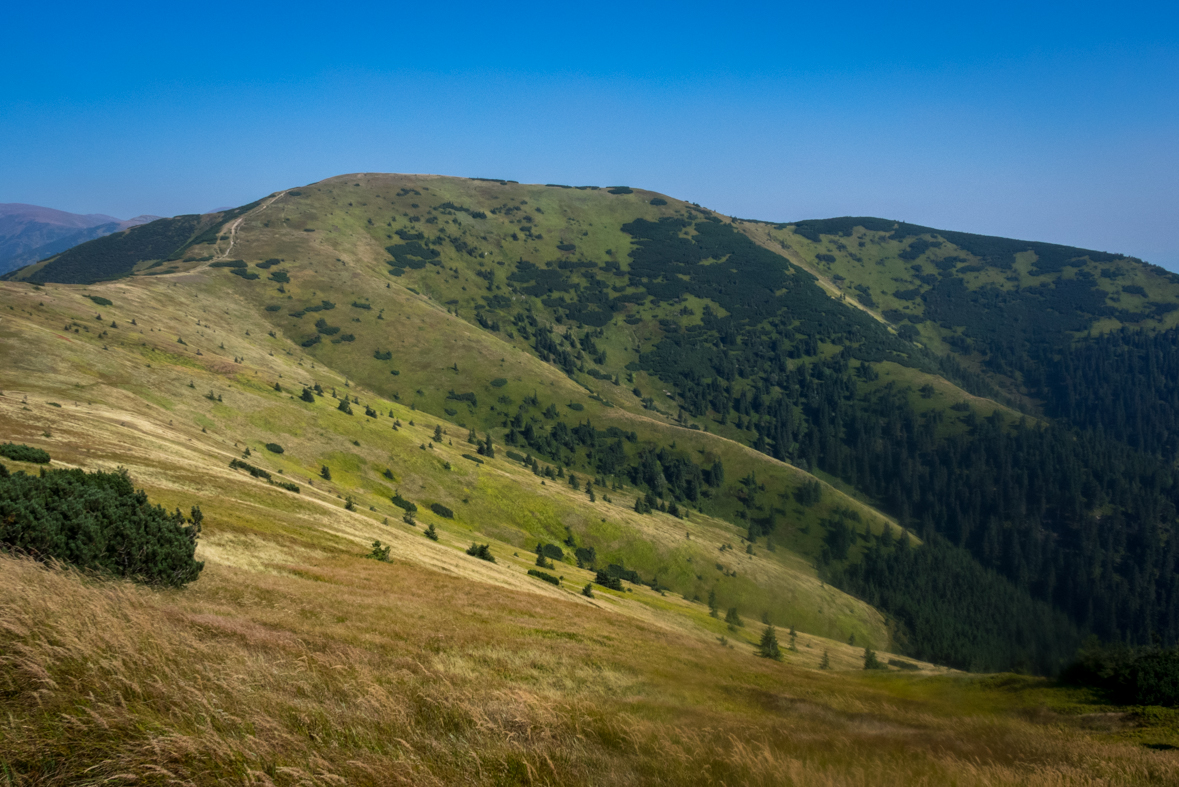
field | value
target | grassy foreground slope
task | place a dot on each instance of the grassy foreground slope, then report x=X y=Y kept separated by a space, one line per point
x=294 y=660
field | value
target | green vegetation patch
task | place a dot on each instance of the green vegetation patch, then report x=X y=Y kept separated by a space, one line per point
x=18 y=452
x=100 y=522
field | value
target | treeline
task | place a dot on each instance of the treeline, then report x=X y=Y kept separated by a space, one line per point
x=955 y=612
x=1078 y=520
x=1124 y=385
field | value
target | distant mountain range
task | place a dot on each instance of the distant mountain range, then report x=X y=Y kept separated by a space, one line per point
x=29 y=233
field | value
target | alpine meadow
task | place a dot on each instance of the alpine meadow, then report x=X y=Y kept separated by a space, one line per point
x=411 y=479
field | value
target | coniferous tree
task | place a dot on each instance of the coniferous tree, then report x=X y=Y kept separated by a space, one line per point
x=768 y=647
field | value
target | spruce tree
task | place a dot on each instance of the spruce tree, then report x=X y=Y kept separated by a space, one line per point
x=870 y=660
x=325 y=473
x=768 y=647
x=431 y=533
x=826 y=662
x=712 y=608
x=733 y=619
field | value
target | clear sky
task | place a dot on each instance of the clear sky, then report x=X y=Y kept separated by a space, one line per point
x=1043 y=121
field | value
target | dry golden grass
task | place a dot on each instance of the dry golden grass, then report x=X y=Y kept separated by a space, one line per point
x=338 y=670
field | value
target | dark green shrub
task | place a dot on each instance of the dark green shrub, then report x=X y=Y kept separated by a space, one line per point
x=385 y=355
x=401 y=502
x=566 y=247
x=257 y=472
x=551 y=551
x=236 y=264
x=273 y=307
x=481 y=551
x=344 y=406
x=101 y=301
x=287 y=485
x=98 y=521
x=245 y=274
x=442 y=511
x=380 y=553
x=532 y=572
x=768 y=647
x=474 y=459
x=274 y=448
x=605 y=580
x=657 y=201
x=307 y=395
x=282 y=277
x=620 y=190
x=18 y=452
x=499 y=382
x=431 y=533
x=870 y=660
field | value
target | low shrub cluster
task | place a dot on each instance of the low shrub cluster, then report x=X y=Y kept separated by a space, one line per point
x=99 y=522
x=18 y=452
x=481 y=551
x=532 y=572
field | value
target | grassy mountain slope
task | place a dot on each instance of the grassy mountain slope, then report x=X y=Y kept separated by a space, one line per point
x=298 y=660
x=984 y=299
x=294 y=659
x=609 y=332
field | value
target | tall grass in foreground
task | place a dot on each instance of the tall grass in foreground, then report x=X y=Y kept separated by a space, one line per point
x=360 y=672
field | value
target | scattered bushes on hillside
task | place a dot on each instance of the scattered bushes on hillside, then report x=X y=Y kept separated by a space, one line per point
x=98 y=521
x=19 y=452
x=481 y=551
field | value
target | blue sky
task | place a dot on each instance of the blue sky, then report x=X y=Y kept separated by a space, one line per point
x=1049 y=122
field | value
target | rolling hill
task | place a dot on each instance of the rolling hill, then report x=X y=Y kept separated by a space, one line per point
x=852 y=429
x=29 y=233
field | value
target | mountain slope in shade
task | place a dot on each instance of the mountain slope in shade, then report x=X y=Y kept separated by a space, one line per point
x=29 y=233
